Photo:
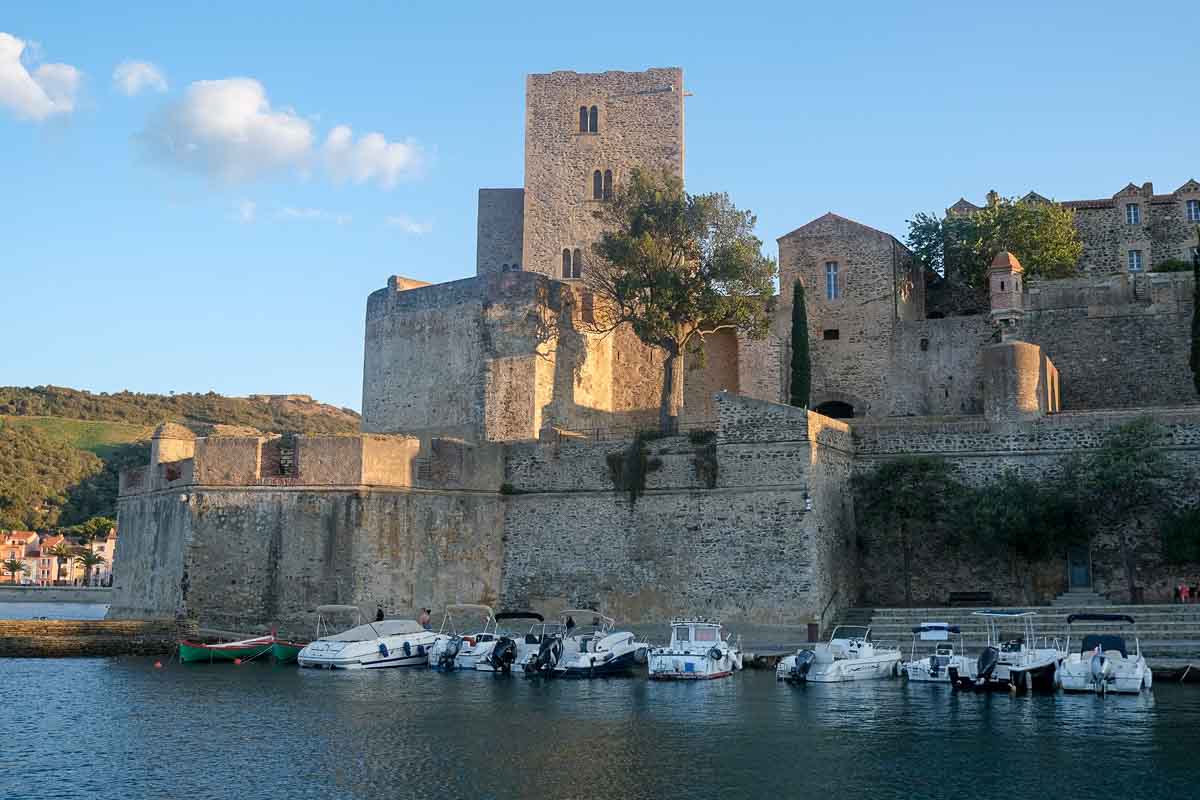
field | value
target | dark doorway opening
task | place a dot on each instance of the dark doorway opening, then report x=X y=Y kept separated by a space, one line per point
x=1079 y=567
x=836 y=409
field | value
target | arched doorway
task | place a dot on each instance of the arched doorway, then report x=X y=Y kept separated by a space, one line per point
x=835 y=409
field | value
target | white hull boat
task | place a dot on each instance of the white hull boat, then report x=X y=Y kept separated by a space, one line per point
x=696 y=652
x=488 y=650
x=850 y=655
x=590 y=651
x=1104 y=663
x=935 y=668
x=374 y=645
x=1015 y=663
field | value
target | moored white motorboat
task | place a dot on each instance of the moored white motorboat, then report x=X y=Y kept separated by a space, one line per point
x=485 y=650
x=849 y=655
x=696 y=652
x=1016 y=662
x=935 y=667
x=589 y=650
x=371 y=645
x=1104 y=663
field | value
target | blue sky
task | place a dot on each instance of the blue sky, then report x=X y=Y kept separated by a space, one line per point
x=129 y=259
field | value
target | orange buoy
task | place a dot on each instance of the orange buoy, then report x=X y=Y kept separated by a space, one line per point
x=158 y=665
x=237 y=661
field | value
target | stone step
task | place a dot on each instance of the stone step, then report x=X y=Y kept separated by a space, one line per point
x=1142 y=631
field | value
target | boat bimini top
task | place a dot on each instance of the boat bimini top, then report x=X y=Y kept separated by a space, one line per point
x=1073 y=618
x=1105 y=641
x=503 y=615
x=489 y=619
x=935 y=631
x=324 y=612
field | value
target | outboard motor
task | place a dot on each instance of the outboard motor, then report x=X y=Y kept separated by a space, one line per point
x=548 y=654
x=503 y=654
x=1099 y=679
x=804 y=662
x=987 y=663
x=449 y=653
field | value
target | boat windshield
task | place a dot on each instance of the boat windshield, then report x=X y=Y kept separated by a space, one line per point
x=850 y=632
x=706 y=634
x=681 y=633
x=1105 y=642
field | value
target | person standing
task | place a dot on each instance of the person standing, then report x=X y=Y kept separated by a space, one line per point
x=379 y=613
x=423 y=620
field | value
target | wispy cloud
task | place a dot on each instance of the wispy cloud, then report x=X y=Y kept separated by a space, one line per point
x=245 y=211
x=134 y=77
x=313 y=214
x=229 y=130
x=49 y=90
x=409 y=225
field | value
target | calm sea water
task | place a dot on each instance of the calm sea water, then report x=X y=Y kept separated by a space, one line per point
x=52 y=611
x=120 y=728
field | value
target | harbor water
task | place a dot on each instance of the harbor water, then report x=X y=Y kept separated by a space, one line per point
x=121 y=728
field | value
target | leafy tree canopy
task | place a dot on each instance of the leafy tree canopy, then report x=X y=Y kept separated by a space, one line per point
x=675 y=266
x=961 y=247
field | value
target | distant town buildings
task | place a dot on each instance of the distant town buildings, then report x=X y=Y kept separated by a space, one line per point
x=44 y=566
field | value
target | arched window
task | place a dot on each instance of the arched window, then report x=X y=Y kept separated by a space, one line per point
x=516 y=267
x=577 y=264
x=593 y=120
x=504 y=267
x=566 y=263
x=583 y=119
x=597 y=185
x=608 y=184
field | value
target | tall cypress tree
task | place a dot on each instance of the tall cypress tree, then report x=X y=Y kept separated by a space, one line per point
x=801 y=363
x=1195 y=359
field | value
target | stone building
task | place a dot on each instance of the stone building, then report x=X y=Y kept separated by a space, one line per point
x=496 y=427
x=1132 y=231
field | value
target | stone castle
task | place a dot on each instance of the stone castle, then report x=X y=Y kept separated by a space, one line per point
x=484 y=470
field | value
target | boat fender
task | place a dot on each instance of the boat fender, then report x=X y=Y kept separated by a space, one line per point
x=715 y=653
x=383 y=651
x=407 y=649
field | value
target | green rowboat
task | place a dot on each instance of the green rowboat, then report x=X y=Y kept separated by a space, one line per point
x=245 y=650
x=285 y=652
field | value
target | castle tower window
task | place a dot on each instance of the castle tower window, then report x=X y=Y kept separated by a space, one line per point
x=1133 y=213
x=1193 y=210
x=583 y=119
x=833 y=289
x=515 y=268
x=608 y=189
x=597 y=185
x=566 y=262
x=1135 y=260
x=593 y=120
x=831 y=335
x=576 y=263
x=504 y=267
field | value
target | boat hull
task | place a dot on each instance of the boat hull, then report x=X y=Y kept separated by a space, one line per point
x=1076 y=676
x=676 y=666
x=197 y=652
x=624 y=664
x=407 y=650
x=923 y=671
x=843 y=670
x=286 y=652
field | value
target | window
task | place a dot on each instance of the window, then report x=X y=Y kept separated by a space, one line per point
x=706 y=634
x=832 y=334
x=597 y=185
x=515 y=267
x=504 y=267
x=832 y=290
x=1193 y=210
x=608 y=184
x=572 y=263
x=1135 y=260
x=593 y=120
x=924 y=345
x=1133 y=213
x=583 y=119
x=683 y=634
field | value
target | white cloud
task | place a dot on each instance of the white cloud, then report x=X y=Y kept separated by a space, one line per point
x=246 y=209
x=132 y=77
x=409 y=225
x=227 y=129
x=372 y=157
x=51 y=88
x=314 y=214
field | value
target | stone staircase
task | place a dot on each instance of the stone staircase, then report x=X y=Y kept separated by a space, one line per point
x=1077 y=598
x=1169 y=634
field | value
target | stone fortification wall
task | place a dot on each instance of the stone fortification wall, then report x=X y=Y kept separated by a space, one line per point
x=726 y=526
x=1116 y=342
x=639 y=124
x=935 y=367
x=1038 y=450
x=500 y=230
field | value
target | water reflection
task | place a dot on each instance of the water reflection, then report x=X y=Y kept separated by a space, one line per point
x=120 y=728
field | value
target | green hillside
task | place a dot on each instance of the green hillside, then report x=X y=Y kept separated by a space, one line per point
x=61 y=450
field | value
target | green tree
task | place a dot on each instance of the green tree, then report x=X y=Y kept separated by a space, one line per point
x=907 y=496
x=88 y=560
x=1194 y=360
x=801 y=361
x=1026 y=521
x=1125 y=478
x=62 y=551
x=675 y=266
x=961 y=246
x=14 y=568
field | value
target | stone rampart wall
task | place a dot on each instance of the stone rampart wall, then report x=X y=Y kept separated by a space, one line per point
x=500 y=229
